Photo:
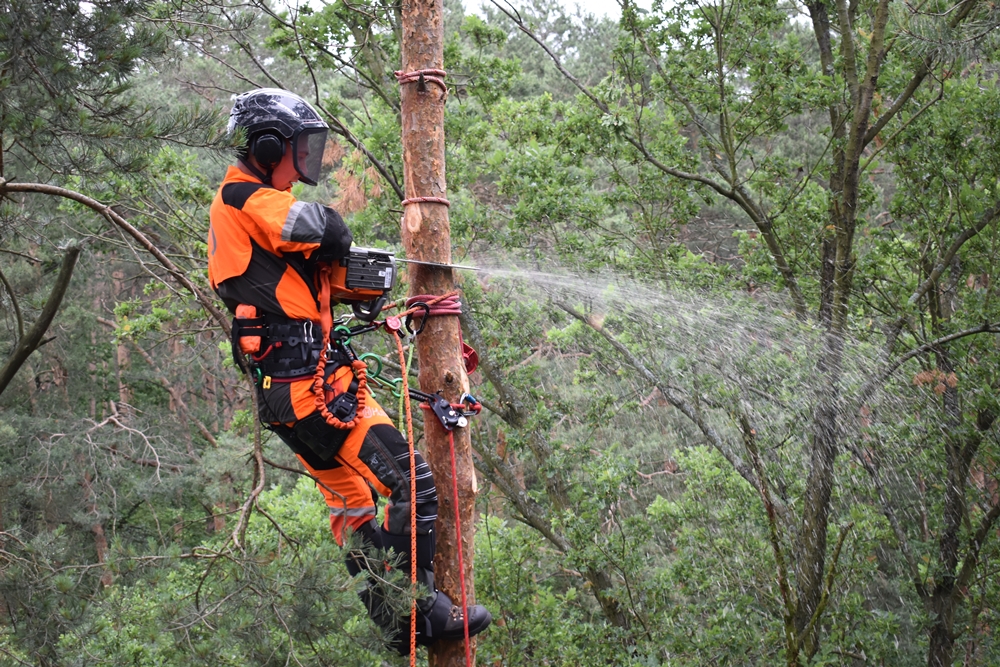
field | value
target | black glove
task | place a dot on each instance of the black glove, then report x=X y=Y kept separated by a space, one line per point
x=337 y=238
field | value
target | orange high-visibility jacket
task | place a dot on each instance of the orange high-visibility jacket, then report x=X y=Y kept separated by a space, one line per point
x=263 y=245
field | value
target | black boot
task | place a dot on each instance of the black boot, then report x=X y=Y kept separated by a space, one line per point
x=437 y=616
x=442 y=619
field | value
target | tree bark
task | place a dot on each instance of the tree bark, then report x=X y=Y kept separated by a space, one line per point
x=951 y=579
x=123 y=360
x=426 y=236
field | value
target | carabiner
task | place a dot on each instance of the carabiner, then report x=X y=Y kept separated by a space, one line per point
x=378 y=369
x=471 y=405
x=423 y=318
x=397 y=387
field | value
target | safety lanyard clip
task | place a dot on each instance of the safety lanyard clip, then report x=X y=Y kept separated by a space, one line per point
x=469 y=405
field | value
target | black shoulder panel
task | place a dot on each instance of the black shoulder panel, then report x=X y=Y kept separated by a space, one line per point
x=237 y=194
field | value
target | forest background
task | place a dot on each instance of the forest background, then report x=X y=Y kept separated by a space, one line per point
x=738 y=331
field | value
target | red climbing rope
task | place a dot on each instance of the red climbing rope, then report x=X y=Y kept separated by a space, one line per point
x=458 y=533
x=448 y=304
x=429 y=300
x=435 y=76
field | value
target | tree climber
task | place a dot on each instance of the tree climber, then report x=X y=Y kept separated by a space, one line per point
x=264 y=253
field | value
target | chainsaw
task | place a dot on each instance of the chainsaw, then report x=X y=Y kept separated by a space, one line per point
x=365 y=277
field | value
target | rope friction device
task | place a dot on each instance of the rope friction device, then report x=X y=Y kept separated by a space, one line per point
x=365 y=277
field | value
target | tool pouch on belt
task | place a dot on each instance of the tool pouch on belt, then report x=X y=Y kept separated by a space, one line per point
x=245 y=316
x=246 y=332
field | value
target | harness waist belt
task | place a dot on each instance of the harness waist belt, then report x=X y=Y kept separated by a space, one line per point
x=288 y=348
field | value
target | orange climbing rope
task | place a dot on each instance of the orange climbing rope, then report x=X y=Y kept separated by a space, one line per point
x=357 y=366
x=413 y=503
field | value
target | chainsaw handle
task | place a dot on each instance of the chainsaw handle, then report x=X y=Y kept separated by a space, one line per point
x=374 y=308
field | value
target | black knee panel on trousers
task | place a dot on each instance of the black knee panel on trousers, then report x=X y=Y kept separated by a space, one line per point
x=287 y=435
x=324 y=440
x=386 y=453
x=426 y=547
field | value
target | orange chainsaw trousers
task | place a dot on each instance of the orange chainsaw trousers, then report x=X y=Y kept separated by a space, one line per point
x=351 y=466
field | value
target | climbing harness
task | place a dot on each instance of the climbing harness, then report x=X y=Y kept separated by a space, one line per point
x=293 y=346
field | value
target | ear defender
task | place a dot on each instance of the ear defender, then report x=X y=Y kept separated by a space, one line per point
x=267 y=149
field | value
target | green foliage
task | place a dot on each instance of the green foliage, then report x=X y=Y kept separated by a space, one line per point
x=540 y=617
x=288 y=597
x=623 y=522
x=67 y=104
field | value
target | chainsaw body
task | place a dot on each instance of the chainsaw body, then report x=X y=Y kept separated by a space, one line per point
x=363 y=279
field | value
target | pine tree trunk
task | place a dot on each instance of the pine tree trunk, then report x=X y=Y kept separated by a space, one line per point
x=426 y=236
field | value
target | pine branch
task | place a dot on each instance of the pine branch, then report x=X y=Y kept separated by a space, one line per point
x=30 y=341
x=124 y=225
x=13 y=301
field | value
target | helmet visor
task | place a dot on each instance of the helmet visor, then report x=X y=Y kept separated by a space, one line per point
x=308 y=151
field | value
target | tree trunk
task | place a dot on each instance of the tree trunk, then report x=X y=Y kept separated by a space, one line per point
x=426 y=236
x=949 y=591
x=942 y=642
x=100 y=538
